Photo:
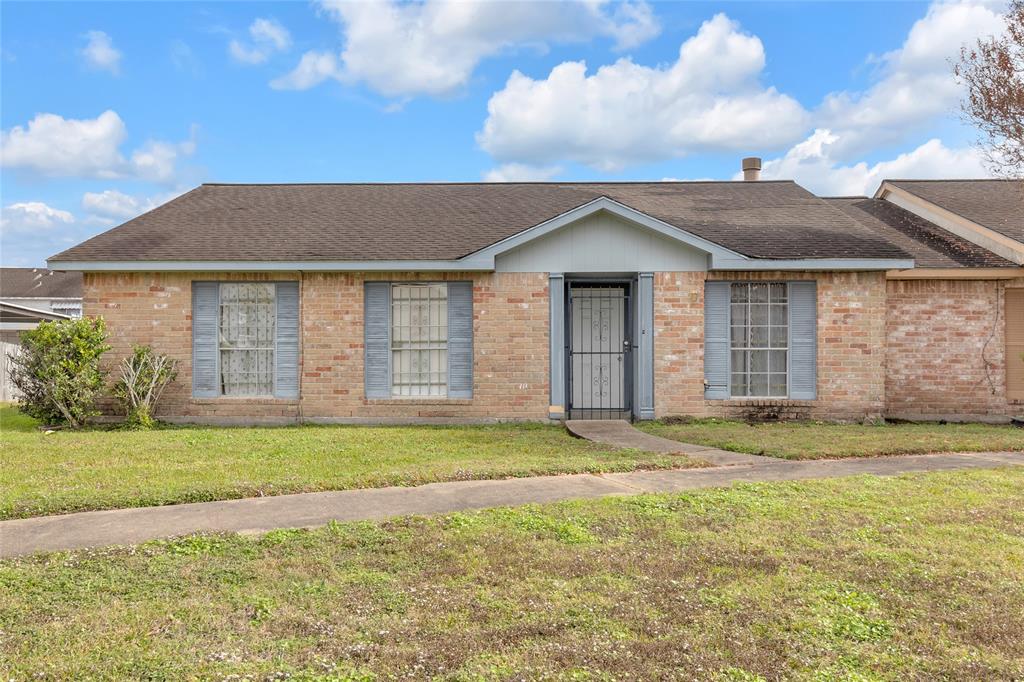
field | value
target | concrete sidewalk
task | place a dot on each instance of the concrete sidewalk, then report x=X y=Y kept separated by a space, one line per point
x=128 y=526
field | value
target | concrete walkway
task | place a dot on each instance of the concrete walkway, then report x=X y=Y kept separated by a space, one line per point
x=621 y=434
x=254 y=515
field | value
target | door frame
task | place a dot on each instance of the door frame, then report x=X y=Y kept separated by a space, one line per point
x=628 y=283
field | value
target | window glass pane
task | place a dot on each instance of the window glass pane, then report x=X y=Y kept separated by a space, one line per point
x=739 y=361
x=778 y=315
x=739 y=314
x=739 y=337
x=419 y=339
x=779 y=337
x=759 y=338
x=246 y=332
x=777 y=361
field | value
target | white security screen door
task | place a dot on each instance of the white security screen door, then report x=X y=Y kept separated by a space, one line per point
x=599 y=352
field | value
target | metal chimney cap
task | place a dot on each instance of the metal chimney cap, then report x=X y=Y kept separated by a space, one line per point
x=752 y=163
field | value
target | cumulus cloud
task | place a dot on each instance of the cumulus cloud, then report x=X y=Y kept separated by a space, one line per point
x=112 y=203
x=88 y=148
x=30 y=217
x=314 y=68
x=813 y=164
x=709 y=99
x=267 y=35
x=916 y=82
x=99 y=52
x=432 y=48
x=521 y=172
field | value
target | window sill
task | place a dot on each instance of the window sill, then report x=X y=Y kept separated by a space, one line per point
x=762 y=402
x=418 y=401
x=243 y=400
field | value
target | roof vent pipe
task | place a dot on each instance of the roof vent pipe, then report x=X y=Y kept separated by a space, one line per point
x=752 y=168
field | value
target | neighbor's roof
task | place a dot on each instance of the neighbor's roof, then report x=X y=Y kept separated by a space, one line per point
x=995 y=204
x=928 y=244
x=39 y=283
x=10 y=312
x=356 y=222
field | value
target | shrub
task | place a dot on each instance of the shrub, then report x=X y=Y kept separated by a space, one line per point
x=57 y=370
x=144 y=376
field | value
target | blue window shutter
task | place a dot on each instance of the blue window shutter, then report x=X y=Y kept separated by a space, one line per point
x=377 y=324
x=205 y=314
x=556 y=337
x=645 y=344
x=716 y=340
x=286 y=351
x=460 y=339
x=803 y=340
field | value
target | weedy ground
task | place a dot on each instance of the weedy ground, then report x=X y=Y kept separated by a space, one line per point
x=914 y=577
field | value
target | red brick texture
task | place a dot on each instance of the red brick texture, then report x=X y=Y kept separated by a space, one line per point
x=510 y=344
x=945 y=349
x=903 y=348
x=851 y=338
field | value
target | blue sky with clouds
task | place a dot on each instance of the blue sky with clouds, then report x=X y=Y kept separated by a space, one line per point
x=111 y=108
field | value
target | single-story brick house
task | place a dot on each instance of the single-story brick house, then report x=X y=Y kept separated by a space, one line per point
x=376 y=302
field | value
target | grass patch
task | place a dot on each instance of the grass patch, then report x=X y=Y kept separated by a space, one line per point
x=817 y=440
x=820 y=580
x=104 y=469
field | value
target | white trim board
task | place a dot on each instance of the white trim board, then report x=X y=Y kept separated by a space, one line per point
x=985 y=237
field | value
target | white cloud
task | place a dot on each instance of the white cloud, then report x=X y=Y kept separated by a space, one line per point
x=520 y=172
x=710 y=99
x=88 y=148
x=31 y=217
x=433 y=47
x=114 y=204
x=313 y=69
x=100 y=53
x=812 y=164
x=916 y=84
x=268 y=36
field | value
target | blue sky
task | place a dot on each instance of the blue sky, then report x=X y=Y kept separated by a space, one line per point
x=111 y=108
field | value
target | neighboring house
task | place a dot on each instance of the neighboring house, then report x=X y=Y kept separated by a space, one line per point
x=15 y=319
x=42 y=289
x=353 y=302
x=29 y=296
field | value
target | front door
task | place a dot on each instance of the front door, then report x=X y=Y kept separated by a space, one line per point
x=600 y=385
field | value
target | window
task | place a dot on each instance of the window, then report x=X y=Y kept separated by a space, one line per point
x=759 y=339
x=73 y=310
x=419 y=340
x=247 y=321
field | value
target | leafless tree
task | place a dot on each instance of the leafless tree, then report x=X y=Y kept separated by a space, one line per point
x=992 y=70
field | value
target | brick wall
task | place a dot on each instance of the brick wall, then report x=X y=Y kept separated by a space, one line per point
x=851 y=338
x=906 y=348
x=945 y=349
x=510 y=344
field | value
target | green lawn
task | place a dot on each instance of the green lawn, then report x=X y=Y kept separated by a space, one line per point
x=917 y=577
x=68 y=471
x=817 y=440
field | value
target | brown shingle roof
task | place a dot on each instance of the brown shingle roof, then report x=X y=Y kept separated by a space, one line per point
x=39 y=283
x=995 y=204
x=448 y=221
x=929 y=245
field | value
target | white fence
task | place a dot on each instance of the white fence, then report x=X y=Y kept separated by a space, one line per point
x=7 y=391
